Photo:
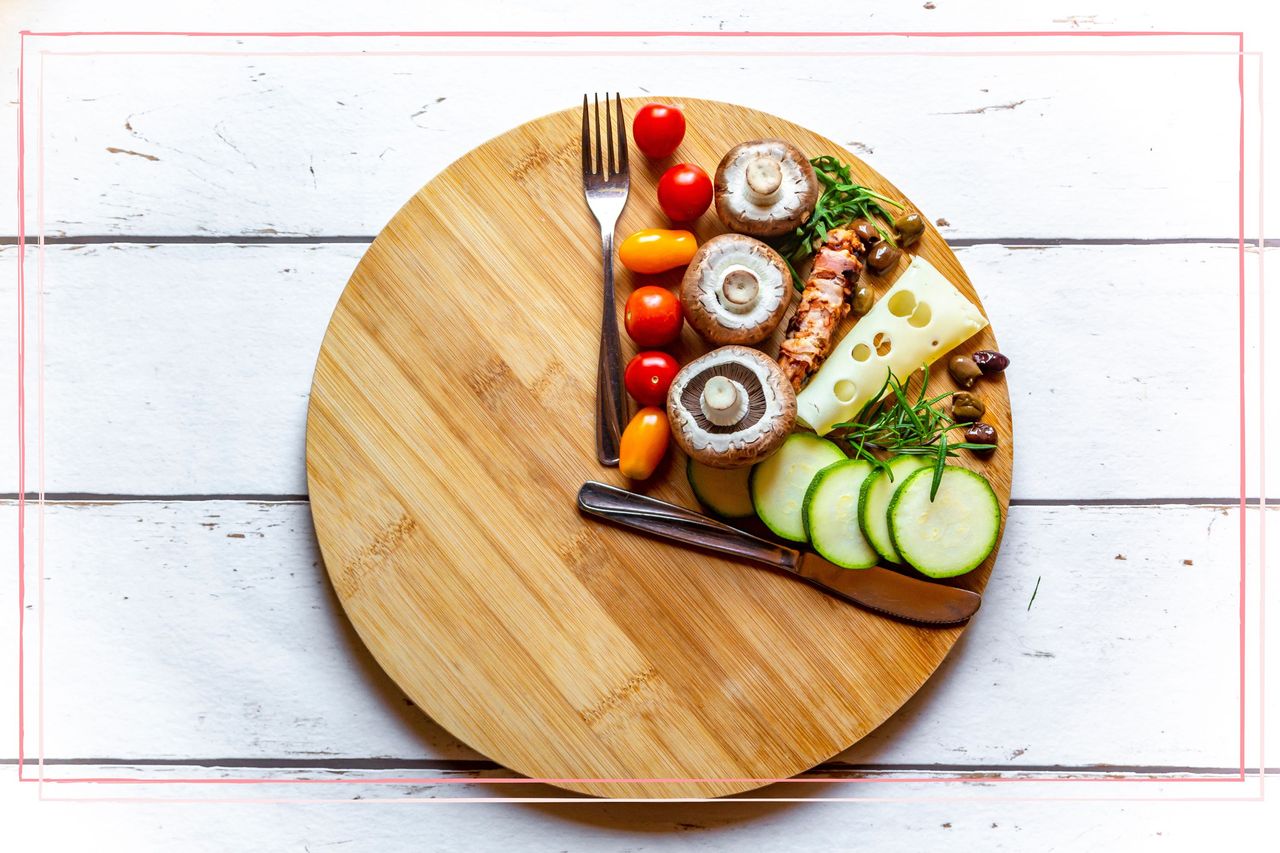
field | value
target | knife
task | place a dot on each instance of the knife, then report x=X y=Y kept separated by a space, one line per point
x=877 y=589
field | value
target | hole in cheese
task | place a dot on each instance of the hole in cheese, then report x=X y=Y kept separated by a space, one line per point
x=861 y=352
x=902 y=303
x=921 y=316
x=882 y=344
x=846 y=391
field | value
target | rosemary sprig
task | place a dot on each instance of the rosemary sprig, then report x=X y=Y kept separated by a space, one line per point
x=892 y=423
x=842 y=201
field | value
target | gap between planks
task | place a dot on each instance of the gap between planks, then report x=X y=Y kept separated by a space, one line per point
x=473 y=765
x=286 y=239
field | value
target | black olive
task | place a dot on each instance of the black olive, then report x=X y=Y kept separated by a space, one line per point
x=989 y=361
x=883 y=257
x=980 y=433
x=866 y=232
x=909 y=226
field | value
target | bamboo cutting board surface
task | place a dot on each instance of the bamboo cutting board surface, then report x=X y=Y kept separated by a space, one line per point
x=449 y=429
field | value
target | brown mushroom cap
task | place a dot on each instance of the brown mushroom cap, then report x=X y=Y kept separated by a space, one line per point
x=765 y=188
x=763 y=421
x=735 y=290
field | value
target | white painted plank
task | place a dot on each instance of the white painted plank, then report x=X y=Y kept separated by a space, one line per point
x=1002 y=146
x=895 y=128
x=208 y=630
x=919 y=817
x=180 y=369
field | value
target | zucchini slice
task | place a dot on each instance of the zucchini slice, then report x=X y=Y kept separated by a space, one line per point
x=873 y=502
x=953 y=533
x=779 y=483
x=724 y=491
x=831 y=514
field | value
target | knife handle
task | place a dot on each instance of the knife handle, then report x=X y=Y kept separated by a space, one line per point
x=668 y=521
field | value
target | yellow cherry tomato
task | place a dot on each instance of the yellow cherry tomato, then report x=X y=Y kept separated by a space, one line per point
x=644 y=443
x=657 y=250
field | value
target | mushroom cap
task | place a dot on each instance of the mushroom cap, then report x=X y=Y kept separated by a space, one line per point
x=705 y=305
x=771 y=409
x=796 y=195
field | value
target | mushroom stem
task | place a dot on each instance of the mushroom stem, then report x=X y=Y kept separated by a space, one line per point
x=764 y=180
x=723 y=401
x=739 y=288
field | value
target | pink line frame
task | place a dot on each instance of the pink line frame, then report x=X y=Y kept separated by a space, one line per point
x=1240 y=52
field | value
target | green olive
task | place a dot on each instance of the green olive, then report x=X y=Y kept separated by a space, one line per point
x=909 y=227
x=964 y=370
x=883 y=256
x=863 y=299
x=966 y=407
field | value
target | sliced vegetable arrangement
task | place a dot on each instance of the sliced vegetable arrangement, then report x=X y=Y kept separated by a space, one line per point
x=831 y=514
x=948 y=533
x=780 y=483
x=833 y=443
x=873 y=502
x=724 y=491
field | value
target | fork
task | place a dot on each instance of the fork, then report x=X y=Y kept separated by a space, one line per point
x=606 y=191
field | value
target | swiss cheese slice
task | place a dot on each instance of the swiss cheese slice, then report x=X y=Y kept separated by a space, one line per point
x=920 y=319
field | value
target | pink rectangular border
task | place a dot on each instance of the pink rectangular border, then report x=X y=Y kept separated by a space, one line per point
x=605 y=34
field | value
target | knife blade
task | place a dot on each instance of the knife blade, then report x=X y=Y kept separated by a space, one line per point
x=881 y=590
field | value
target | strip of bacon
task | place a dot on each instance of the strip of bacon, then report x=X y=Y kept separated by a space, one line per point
x=823 y=304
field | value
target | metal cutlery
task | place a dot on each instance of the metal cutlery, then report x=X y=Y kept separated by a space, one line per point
x=877 y=589
x=605 y=184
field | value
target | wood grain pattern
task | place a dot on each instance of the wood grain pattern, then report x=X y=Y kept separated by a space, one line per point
x=450 y=426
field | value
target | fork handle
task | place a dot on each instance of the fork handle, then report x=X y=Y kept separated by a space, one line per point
x=609 y=410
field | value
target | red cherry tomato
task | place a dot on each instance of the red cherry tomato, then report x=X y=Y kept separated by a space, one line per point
x=653 y=316
x=649 y=375
x=658 y=129
x=684 y=191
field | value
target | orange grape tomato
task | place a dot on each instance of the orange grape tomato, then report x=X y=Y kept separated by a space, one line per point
x=654 y=250
x=644 y=443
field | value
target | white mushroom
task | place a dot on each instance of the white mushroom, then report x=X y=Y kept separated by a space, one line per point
x=765 y=188
x=735 y=290
x=724 y=401
x=730 y=408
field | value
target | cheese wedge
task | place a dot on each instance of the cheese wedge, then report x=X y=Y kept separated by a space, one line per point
x=919 y=320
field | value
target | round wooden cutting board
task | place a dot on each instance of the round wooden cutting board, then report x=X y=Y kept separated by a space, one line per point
x=449 y=429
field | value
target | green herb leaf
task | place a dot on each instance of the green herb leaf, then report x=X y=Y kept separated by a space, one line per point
x=842 y=201
x=891 y=423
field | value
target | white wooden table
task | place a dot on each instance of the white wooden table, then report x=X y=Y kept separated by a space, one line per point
x=203 y=201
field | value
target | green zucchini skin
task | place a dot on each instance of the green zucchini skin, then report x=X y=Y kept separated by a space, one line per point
x=724 y=491
x=952 y=534
x=831 y=514
x=873 y=503
x=779 y=483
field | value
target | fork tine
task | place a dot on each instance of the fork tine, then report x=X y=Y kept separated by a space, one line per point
x=599 y=159
x=586 y=137
x=622 y=138
x=608 y=124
